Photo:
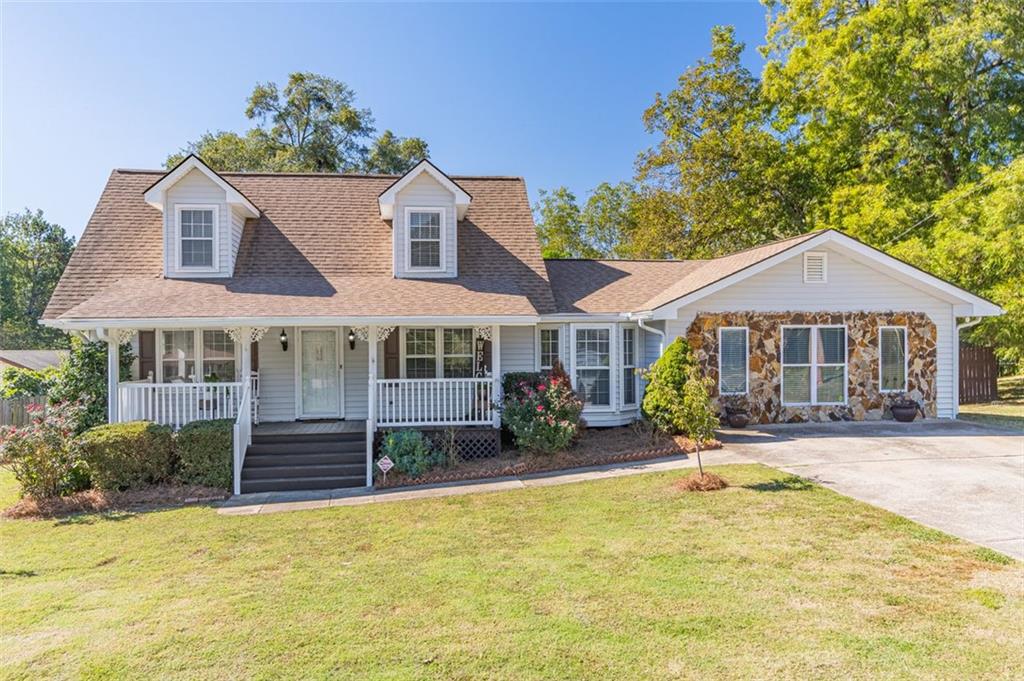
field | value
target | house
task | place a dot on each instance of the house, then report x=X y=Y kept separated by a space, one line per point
x=373 y=302
x=34 y=360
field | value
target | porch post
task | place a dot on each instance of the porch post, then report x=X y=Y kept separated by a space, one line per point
x=245 y=336
x=496 y=371
x=371 y=414
x=113 y=373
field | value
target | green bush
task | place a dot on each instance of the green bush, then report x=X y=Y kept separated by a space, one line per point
x=411 y=452
x=666 y=378
x=128 y=455
x=543 y=415
x=205 y=453
x=18 y=382
x=83 y=377
x=45 y=456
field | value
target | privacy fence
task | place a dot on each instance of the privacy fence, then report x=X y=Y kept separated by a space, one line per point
x=14 y=410
x=979 y=369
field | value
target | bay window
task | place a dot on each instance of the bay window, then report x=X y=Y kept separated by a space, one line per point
x=732 y=360
x=548 y=343
x=892 y=359
x=593 y=365
x=813 y=365
x=629 y=377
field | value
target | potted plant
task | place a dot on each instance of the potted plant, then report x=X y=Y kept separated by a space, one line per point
x=904 y=409
x=737 y=413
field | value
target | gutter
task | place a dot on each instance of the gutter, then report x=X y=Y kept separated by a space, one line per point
x=661 y=334
x=968 y=323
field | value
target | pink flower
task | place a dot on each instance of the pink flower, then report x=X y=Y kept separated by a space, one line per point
x=33 y=407
x=542 y=387
x=540 y=407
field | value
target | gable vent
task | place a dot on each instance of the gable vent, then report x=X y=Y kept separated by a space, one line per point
x=815 y=268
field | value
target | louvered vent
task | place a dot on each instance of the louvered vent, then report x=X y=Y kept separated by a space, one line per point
x=815 y=268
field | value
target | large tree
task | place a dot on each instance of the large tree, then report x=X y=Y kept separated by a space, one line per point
x=311 y=125
x=599 y=229
x=33 y=254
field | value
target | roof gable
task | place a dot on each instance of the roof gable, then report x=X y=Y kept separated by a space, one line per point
x=387 y=198
x=155 y=195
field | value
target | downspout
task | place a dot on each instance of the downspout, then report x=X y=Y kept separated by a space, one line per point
x=971 y=321
x=659 y=332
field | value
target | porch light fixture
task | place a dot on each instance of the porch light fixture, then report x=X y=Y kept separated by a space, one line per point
x=351 y=339
x=284 y=340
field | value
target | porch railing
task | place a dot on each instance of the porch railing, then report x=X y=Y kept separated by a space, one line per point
x=242 y=435
x=175 y=404
x=435 y=402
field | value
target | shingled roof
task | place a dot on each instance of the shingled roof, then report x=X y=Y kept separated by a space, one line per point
x=319 y=248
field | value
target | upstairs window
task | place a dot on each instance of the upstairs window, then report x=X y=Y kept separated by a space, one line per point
x=732 y=360
x=424 y=244
x=892 y=358
x=197 y=226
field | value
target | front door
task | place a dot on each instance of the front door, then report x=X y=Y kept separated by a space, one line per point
x=319 y=374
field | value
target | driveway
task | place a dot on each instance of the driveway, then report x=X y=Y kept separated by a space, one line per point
x=962 y=478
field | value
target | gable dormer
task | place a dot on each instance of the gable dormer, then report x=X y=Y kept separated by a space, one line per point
x=424 y=207
x=203 y=217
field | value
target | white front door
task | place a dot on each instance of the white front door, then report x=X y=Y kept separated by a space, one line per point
x=319 y=374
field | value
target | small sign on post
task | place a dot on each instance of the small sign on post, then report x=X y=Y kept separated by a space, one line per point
x=385 y=464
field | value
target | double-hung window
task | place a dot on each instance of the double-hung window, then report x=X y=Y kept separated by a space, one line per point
x=197 y=227
x=178 y=357
x=813 y=365
x=548 y=342
x=191 y=356
x=424 y=247
x=458 y=353
x=439 y=352
x=892 y=358
x=732 y=360
x=629 y=377
x=420 y=353
x=593 y=366
x=218 y=357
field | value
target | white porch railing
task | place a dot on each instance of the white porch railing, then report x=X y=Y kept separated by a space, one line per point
x=435 y=402
x=175 y=404
x=242 y=435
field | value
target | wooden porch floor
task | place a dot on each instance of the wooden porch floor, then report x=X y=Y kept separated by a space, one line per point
x=310 y=427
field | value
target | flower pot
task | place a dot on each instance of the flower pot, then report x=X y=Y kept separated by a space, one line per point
x=904 y=414
x=738 y=419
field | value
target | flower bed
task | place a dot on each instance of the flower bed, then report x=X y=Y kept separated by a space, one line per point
x=102 y=501
x=596 y=447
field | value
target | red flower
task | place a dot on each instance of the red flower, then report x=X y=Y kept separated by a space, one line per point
x=542 y=387
x=540 y=407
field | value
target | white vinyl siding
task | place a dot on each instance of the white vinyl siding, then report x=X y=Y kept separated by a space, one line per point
x=517 y=348
x=196 y=189
x=237 y=227
x=892 y=359
x=851 y=287
x=357 y=373
x=733 y=359
x=277 y=376
x=424 y=192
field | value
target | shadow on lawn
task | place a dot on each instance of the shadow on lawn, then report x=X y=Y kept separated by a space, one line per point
x=792 y=483
x=90 y=518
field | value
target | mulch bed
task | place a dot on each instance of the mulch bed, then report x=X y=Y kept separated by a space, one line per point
x=596 y=447
x=695 y=482
x=99 y=501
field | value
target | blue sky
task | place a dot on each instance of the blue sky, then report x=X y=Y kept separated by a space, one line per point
x=553 y=93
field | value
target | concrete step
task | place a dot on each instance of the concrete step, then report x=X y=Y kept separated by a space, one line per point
x=305 y=447
x=316 y=458
x=307 y=471
x=294 y=484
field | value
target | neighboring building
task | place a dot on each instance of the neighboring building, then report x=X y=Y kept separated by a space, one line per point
x=31 y=359
x=399 y=301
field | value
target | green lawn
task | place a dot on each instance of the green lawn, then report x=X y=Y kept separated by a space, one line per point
x=1008 y=411
x=613 y=579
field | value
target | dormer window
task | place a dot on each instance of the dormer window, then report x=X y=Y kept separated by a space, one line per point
x=424 y=250
x=197 y=243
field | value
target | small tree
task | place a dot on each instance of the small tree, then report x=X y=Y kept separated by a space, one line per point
x=695 y=413
x=83 y=376
x=666 y=379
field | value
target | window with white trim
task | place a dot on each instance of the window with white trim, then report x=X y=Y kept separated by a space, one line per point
x=549 y=347
x=177 y=356
x=218 y=357
x=732 y=360
x=593 y=366
x=458 y=353
x=420 y=353
x=813 y=365
x=629 y=377
x=892 y=358
x=197 y=226
x=424 y=230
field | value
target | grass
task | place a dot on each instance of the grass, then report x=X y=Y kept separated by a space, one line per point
x=616 y=578
x=1008 y=411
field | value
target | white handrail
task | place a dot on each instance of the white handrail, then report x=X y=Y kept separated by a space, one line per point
x=435 y=402
x=242 y=436
x=175 y=404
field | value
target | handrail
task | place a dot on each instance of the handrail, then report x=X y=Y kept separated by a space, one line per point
x=175 y=404
x=242 y=436
x=435 y=401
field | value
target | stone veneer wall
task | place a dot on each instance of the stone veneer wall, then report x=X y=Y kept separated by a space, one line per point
x=865 y=402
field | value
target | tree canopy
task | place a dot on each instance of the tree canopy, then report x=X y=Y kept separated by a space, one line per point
x=33 y=254
x=898 y=122
x=311 y=125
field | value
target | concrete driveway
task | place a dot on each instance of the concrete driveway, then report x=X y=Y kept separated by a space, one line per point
x=961 y=478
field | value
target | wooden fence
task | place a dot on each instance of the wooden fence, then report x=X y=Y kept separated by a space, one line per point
x=978 y=372
x=13 y=410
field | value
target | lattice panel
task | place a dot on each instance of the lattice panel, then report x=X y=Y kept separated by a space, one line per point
x=470 y=444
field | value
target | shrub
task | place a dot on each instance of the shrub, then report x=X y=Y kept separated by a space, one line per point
x=205 y=453
x=666 y=378
x=44 y=456
x=121 y=456
x=514 y=382
x=83 y=377
x=411 y=452
x=18 y=382
x=543 y=416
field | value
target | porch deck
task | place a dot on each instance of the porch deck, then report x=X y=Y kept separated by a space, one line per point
x=310 y=427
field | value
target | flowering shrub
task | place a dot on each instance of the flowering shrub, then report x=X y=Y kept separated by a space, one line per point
x=543 y=415
x=45 y=455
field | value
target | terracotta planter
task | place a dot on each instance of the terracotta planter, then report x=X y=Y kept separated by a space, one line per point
x=738 y=419
x=904 y=414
